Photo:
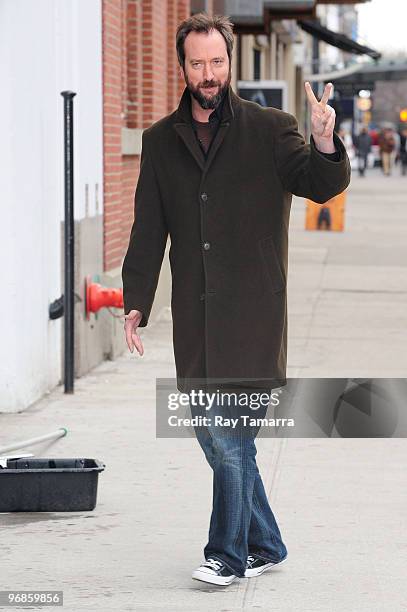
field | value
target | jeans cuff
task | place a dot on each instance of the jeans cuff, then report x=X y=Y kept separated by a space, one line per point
x=267 y=558
x=232 y=569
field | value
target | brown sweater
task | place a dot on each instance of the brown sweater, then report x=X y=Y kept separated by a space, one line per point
x=206 y=130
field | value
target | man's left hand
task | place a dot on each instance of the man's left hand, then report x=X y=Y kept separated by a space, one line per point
x=322 y=119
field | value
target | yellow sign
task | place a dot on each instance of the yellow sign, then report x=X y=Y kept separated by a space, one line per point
x=403 y=114
x=329 y=216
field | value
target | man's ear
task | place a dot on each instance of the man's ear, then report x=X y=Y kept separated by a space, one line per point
x=181 y=72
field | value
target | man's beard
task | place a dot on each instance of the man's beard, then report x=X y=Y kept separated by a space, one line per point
x=208 y=102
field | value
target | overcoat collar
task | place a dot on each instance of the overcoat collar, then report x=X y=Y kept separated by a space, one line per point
x=183 y=126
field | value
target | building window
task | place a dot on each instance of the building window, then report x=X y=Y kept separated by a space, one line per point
x=256 y=64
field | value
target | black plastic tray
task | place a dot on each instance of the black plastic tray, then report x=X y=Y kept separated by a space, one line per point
x=49 y=485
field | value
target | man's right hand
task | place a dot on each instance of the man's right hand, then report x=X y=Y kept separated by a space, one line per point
x=132 y=321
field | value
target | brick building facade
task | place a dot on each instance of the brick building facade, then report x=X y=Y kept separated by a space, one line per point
x=141 y=84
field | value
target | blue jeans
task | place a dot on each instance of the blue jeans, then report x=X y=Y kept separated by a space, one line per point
x=242 y=521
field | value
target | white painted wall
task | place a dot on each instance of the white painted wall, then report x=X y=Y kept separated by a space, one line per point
x=46 y=46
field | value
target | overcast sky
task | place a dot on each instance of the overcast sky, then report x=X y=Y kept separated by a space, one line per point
x=383 y=24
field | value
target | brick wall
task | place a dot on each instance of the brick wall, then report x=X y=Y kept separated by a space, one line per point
x=140 y=85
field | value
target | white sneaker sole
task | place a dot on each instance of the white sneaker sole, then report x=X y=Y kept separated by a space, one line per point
x=252 y=573
x=212 y=578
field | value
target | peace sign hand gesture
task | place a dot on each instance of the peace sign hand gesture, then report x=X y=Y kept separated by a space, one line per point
x=322 y=119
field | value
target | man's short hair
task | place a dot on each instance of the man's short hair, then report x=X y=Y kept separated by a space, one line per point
x=201 y=22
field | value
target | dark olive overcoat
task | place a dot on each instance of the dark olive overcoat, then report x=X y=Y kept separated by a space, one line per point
x=227 y=218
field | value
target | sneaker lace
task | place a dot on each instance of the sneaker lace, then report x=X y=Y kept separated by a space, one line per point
x=250 y=559
x=213 y=563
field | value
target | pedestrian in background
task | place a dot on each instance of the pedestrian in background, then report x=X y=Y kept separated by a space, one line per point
x=363 y=145
x=387 y=145
x=403 y=150
x=396 y=151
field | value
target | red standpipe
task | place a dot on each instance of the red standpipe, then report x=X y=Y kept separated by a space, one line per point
x=97 y=297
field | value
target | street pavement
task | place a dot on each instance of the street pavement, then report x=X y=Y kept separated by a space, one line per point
x=340 y=503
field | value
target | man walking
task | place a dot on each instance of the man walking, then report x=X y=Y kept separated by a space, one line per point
x=403 y=151
x=218 y=175
x=387 y=145
x=363 y=147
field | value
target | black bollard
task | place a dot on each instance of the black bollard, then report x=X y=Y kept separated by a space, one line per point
x=69 y=243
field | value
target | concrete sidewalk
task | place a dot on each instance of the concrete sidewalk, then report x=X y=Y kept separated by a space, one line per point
x=340 y=503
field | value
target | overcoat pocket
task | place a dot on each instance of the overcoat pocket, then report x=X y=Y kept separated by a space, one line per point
x=272 y=267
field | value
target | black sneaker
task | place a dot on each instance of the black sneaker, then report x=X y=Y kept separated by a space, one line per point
x=256 y=565
x=214 y=571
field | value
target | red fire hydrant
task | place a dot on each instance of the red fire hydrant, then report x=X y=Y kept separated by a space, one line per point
x=97 y=297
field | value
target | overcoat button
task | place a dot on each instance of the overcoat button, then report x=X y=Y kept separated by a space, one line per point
x=204 y=197
x=206 y=246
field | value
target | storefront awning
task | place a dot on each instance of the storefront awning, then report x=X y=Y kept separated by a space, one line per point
x=255 y=16
x=337 y=40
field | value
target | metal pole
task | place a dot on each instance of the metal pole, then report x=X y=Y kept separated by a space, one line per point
x=314 y=84
x=315 y=63
x=69 y=243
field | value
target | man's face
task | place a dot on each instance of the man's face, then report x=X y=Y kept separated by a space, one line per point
x=207 y=70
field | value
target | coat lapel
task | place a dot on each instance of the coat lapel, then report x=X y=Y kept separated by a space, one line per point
x=186 y=132
x=183 y=126
x=217 y=141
